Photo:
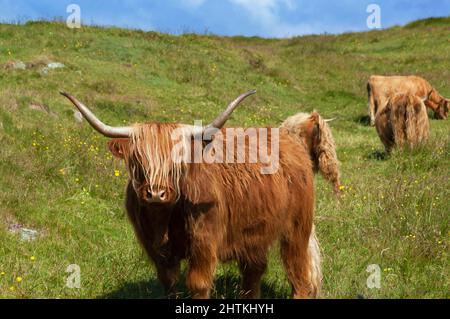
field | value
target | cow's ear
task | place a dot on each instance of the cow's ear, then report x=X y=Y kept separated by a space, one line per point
x=119 y=147
x=314 y=117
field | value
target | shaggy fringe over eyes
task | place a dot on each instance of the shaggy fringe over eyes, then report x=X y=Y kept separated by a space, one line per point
x=150 y=157
x=325 y=151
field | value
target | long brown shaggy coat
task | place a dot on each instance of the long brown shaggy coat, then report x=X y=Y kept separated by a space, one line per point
x=315 y=134
x=381 y=88
x=222 y=212
x=404 y=121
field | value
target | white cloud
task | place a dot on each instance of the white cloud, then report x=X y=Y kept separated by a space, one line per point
x=290 y=4
x=193 y=3
x=266 y=13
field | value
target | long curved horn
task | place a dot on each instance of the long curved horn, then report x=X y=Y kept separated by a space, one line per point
x=219 y=122
x=329 y=120
x=106 y=130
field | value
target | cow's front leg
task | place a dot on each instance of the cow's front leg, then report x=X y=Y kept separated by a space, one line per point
x=167 y=265
x=251 y=278
x=168 y=274
x=200 y=275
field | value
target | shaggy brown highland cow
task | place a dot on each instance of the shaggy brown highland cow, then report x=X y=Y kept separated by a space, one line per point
x=404 y=120
x=313 y=131
x=381 y=88
x=219 y=211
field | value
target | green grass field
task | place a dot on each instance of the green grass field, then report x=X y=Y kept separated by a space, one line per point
x=57 y=176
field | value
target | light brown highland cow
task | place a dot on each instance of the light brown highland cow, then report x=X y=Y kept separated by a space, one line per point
x=381 y=88
x=315 y=134
x=403 y=121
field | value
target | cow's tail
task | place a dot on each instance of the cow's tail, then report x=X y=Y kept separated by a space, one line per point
x=369 y=90
x=315 y=264
x=372 y=106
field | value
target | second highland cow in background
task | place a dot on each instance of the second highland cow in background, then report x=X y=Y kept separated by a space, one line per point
x=381 y=88
x=314 y=132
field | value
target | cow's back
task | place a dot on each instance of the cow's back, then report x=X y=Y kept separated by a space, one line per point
x=248 y=210
x=409 y=119
x=384 y=87
x=404 y=120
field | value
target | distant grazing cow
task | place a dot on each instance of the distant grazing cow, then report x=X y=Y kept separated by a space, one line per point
x=381 y=88
x=211 y=212
x=314 y=132
x=403 y=121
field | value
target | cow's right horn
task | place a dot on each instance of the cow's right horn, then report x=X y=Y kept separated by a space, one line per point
x=220 y=120
x=106 y=130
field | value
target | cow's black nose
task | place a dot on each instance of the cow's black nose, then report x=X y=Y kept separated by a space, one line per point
x=156 y=196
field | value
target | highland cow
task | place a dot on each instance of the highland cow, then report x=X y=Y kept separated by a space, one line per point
x=403 y=121
x=211 y=212
x=315 y=134
x=381 y=88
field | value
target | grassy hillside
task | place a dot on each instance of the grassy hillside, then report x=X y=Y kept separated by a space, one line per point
x=57 y=176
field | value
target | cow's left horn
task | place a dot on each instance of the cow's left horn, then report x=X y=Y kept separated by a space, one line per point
x=329 y=120
x=106 y=130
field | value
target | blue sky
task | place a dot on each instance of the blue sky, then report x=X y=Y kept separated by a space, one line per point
x=266 y=18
